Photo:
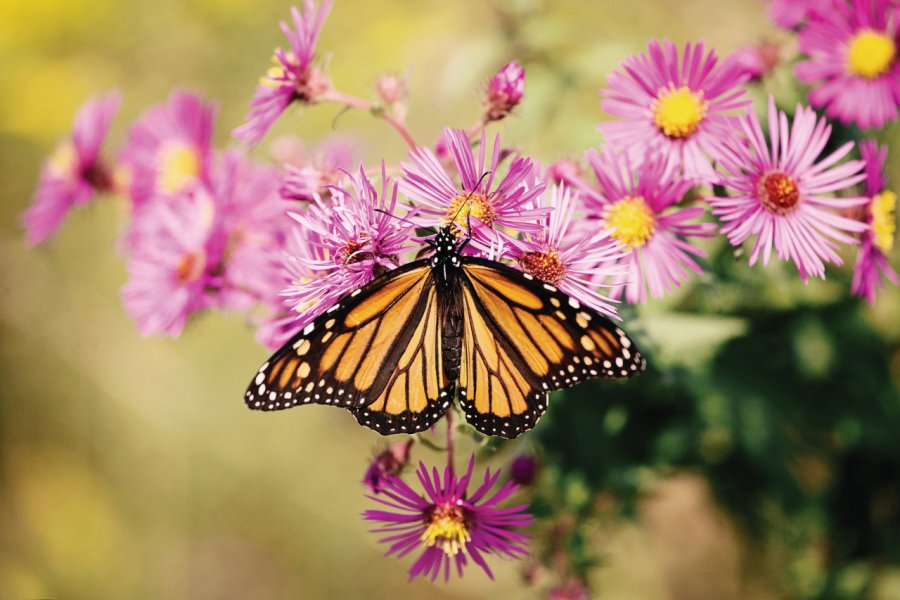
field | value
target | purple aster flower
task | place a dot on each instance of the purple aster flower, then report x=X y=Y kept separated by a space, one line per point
x=563 y=253
x=478 y=198
x=449 y=523
x=779 y=191
x=172 y=267
x=74 y=173
x=853 y=60
x=169 y=150
x=294 y=77
x=880 y=213
x=790 y=13
x=387 y=464
x=344 y=244
x=681 y=108
x=636 y=204
x=504 y=91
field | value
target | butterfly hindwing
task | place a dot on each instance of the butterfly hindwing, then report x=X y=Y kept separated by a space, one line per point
x=416 y=393
x=524 y=338
x=376 y=353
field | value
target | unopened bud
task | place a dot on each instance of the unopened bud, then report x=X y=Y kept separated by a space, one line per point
x=564 y=171
x=756 y=61
x=504 y=92
x=392 y=90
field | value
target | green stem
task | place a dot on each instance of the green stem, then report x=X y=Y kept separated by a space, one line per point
x=451 y=430
x=353 y=101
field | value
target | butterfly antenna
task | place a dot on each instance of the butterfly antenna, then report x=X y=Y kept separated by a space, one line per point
x=466 y=203
x=405 y=220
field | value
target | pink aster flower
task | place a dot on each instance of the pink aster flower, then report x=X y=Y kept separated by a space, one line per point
x=294 y=78
x=318 y=170
x=256 y=223
x=478 y=198
x=448 y=524
x=880 y=212
x=574 y=259
x=74 y=173
x=172 y=269
x=790 y=13
x=853 y=60
x=344 y=244
x=682 y=108
x=504 y=91
x=169 y=149
x=779 y=191
x=636 y=204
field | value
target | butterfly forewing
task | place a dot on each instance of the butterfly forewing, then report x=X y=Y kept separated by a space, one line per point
x=523 y=338
x=376 y=353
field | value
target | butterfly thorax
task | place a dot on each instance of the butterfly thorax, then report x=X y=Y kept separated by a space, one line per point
x=446 y=263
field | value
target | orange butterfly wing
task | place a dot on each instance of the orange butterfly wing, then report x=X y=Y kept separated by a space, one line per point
x=522 y=339
x=377 y=353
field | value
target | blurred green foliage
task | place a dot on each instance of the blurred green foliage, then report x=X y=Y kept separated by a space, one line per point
x=794 y=423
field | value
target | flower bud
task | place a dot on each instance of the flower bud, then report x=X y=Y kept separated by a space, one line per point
x=756 y=61
x=523 y=469
x=564 y=171
x=387 y=464
x=391 y=88
x=504 y=92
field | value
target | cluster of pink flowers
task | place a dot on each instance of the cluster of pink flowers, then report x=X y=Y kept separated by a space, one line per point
x=218 y=230
x=685 y=158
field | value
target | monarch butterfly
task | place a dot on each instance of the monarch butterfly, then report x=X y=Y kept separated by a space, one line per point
x=395 y=352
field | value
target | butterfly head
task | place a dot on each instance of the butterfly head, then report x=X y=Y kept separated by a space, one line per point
x=447 y=248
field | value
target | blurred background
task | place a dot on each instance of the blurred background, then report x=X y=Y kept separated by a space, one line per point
x=758 y=458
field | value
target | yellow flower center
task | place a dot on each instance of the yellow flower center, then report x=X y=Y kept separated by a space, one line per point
x=179 y=166
x=191 y=266
x=884 y=220
x=778 y=193
x=446 y=529
x=546 y=266
x=870 y=54
x=678 y=111
x=467 y=206
x=63 y=163
x=631 y=221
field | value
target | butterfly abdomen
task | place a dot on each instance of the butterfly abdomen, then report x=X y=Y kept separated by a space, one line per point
x=451 y=329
